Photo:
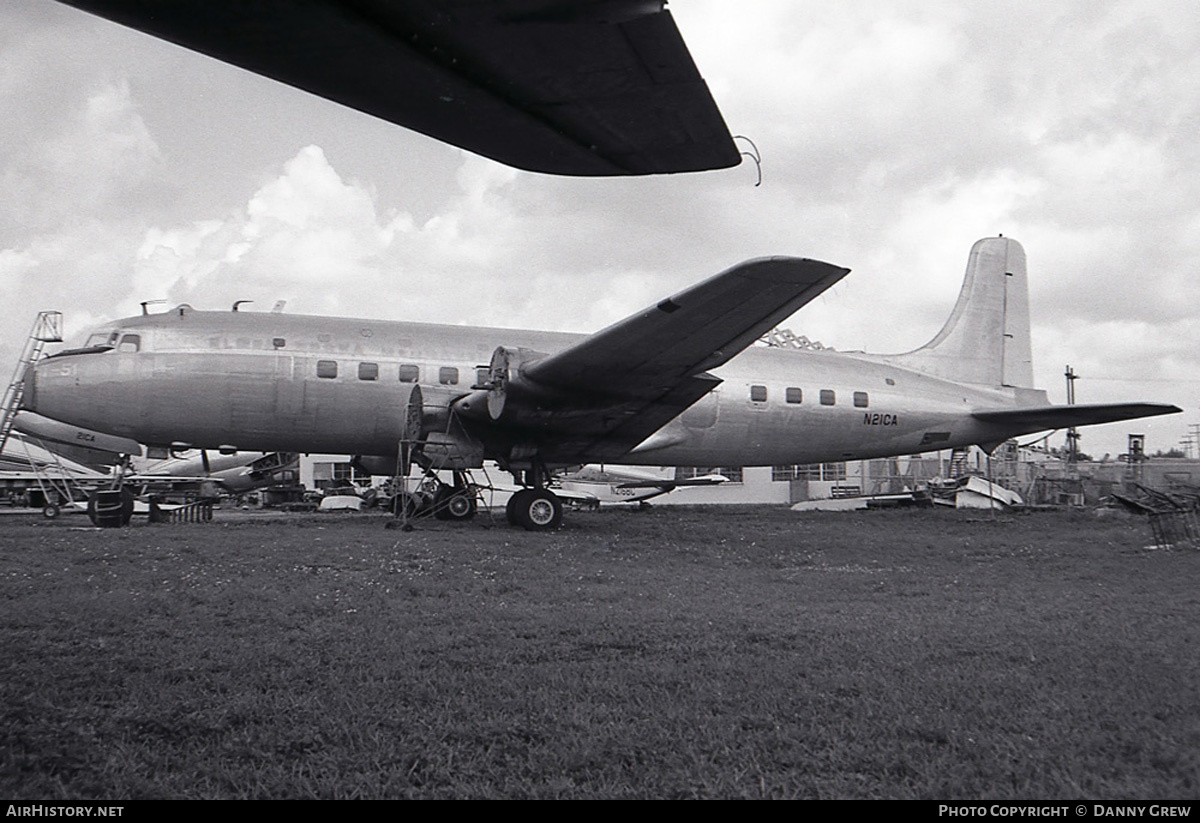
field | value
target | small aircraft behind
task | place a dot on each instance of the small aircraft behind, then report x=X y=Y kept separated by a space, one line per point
x=678 y=383
x=574 y=87
x=625 y=484
x=217 y=474
x=45 y=456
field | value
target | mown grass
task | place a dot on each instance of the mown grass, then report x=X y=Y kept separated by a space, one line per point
x=723 y=652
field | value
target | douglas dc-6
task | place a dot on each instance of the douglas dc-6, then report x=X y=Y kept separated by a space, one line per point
x=676 y=384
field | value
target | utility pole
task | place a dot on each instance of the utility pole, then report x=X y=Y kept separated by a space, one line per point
x=1072 y=433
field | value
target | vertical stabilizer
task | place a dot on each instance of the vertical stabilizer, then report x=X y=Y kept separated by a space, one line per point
x=986 y=340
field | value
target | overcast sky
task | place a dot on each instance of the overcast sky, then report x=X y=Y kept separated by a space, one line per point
x=893 y=134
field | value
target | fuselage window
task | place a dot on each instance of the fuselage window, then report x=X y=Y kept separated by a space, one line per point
x=758 y=394
x=278 y=342
x=861 y=400
x=130 y=342
x=481 y=376
x=368 y=371
x=409 y=373
x=448 y=376
x=794 y=395
x=327 y=368
x=828 y=398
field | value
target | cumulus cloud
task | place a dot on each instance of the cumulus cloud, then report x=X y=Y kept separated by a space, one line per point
x=324 y=244
x=101 y=158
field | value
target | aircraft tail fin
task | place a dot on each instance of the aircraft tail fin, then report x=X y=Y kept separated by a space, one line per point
x=986 y=341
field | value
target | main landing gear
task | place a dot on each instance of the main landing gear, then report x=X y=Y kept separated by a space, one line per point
x=535 y=509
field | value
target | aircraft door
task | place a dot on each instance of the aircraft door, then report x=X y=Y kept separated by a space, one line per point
x=293 y=411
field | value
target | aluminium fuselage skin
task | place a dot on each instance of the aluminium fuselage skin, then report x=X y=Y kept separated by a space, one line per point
x=276 y=382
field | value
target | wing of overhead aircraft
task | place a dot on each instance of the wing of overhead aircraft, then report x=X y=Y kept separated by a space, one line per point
x=609 y=392
x=575 y=87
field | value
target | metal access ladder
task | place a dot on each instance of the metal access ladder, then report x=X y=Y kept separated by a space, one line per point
x=958 y=462
x=46 y=329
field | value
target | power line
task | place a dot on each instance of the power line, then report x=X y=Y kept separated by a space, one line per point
x=1144 y=379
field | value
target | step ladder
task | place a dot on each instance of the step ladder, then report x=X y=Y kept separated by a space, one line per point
x=46 y=329
x=958 y=462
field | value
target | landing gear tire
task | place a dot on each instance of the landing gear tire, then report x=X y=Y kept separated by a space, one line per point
x=50 y=511
x=451 y=503
x=510 y=508
x=535 y=510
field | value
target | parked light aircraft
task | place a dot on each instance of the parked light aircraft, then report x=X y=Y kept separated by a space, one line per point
x=229 y=471
x=43 y=468
x=576 y=87
x=676 y=384
x=626 y=484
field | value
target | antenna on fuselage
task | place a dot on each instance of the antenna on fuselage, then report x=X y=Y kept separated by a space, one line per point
x=145 y=303
x=237 y=303
x=278 y=307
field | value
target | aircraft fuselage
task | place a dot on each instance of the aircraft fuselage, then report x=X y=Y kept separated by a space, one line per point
x=275 y=382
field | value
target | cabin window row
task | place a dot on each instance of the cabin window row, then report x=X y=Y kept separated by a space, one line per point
x=794 y=395
x=406 y=372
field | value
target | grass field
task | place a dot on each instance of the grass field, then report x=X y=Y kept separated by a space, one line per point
x=718 y=652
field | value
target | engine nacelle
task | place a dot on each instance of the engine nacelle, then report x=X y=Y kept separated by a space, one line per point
x=511 y=398
x=505 y=380
x=412 y=409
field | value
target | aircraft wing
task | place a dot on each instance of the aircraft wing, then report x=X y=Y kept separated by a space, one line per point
x=1039 y=418
x=576 y=87
x=697 y=329
x=606 y=394
x=672 y=485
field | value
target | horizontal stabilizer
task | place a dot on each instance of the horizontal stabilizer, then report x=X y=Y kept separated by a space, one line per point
x=47 y=429
x=1039 y=418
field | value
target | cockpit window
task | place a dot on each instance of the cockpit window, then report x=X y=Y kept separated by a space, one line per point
x=102 y=338
x=130 y=342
